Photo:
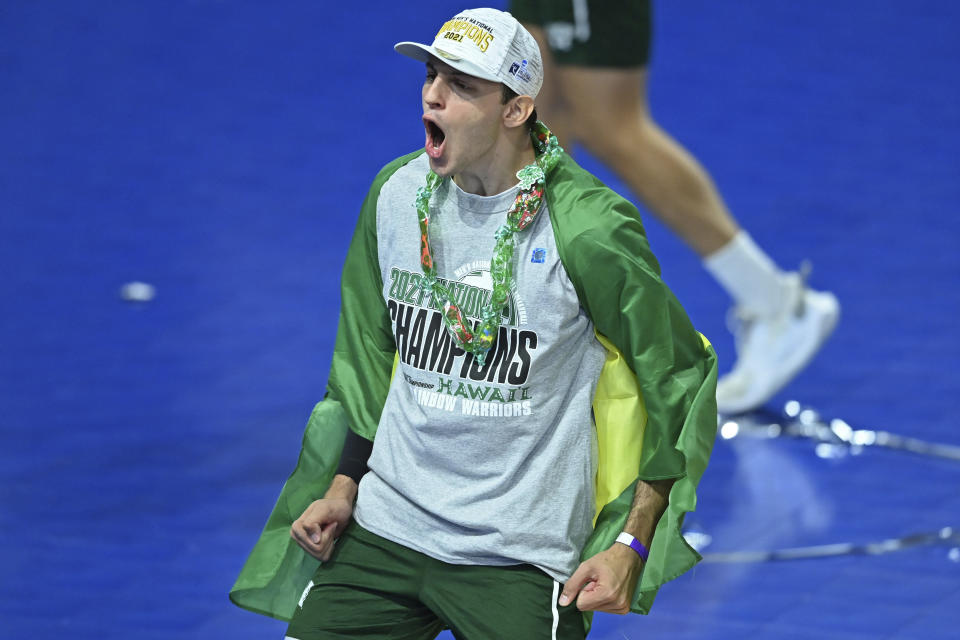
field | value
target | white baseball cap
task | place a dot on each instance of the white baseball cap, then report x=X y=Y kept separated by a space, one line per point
x=488 y=44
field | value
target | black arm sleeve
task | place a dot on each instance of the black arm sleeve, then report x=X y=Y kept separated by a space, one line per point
x=353 y=460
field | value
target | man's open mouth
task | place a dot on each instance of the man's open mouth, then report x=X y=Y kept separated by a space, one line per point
x=435 y=138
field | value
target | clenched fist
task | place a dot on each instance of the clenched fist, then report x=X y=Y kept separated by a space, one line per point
x=324 y=520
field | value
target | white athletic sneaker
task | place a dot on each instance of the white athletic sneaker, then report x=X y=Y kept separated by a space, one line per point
x=771 y=350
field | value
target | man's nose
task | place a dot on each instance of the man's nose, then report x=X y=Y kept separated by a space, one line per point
x=434 y=92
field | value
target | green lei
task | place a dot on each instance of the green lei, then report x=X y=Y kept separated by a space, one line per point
x=519 y=217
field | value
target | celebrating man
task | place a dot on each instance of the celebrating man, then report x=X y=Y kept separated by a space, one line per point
x=525 y=409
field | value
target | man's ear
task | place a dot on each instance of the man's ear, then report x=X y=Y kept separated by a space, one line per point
x=517 y=110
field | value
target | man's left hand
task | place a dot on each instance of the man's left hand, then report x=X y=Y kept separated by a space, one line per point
x=605 y=582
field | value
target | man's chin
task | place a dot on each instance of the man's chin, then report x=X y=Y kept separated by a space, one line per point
x=440 y=167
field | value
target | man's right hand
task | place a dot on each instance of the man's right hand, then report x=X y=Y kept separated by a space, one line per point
x=324 y=520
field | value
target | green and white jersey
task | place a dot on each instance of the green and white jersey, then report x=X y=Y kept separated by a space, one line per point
x=489 y=464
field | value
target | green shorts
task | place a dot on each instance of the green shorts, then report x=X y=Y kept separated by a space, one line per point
x=591 y=33
x=375 y=588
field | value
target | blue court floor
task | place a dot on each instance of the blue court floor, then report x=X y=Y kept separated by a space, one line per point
x=220 y=152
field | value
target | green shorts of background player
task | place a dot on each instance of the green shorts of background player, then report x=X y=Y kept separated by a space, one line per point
x=590 y=34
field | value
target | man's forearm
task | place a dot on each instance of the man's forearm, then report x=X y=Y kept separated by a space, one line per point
x=342 y=487
x=608 y=580
x=649 y=503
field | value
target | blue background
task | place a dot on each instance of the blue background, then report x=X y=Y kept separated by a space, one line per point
x=221 y=150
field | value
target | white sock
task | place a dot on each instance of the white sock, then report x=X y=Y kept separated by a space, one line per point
x=748 y=275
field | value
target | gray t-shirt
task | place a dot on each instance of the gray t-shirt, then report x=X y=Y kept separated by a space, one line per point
x=488 y=465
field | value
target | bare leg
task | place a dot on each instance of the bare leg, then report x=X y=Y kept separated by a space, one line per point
x=613 y=121
x=606 y=110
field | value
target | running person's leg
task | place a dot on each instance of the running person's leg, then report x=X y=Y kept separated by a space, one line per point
x=613 y=122
x=596 y=55
x=603 y=104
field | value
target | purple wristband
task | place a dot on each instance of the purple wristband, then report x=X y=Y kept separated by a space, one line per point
x=633 y=543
